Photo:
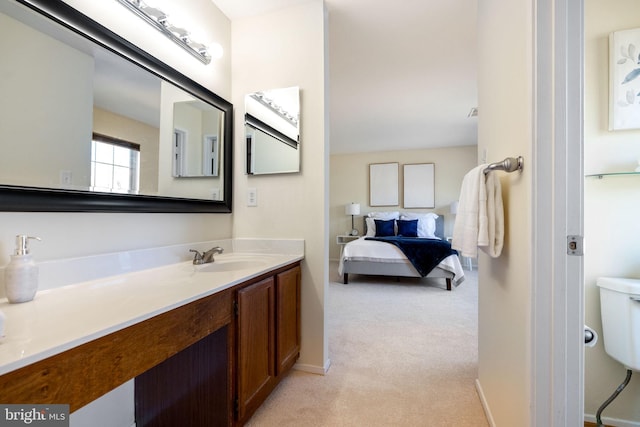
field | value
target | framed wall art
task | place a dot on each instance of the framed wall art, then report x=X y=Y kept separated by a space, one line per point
x=383 y=184
x=624 y=79
x=419 y=185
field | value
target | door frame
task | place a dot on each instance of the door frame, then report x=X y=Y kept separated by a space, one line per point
x=557 y=351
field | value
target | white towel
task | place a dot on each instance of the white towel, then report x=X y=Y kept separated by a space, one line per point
x=480 y=218
x=495 y=216
x=470 y=221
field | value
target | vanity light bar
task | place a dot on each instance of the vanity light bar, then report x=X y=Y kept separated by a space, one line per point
x=271 y=105
x=158 y=19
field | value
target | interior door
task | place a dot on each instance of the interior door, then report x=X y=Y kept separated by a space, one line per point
x=558 y=301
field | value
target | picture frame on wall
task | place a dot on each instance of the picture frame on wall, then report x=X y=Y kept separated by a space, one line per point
x=383 y=184
x=624 y=79
x=419 y=185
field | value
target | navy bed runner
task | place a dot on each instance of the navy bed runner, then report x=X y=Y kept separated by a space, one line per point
x=424 y=254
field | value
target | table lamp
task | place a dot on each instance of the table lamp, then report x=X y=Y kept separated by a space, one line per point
x=352 y=209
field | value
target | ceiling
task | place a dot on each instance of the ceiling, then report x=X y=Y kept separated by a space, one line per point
x=402 y=74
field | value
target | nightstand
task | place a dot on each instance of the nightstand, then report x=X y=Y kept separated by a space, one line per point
x=343 y=239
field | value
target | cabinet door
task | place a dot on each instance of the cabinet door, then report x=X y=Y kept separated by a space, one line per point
x=256 y=352
x=287 y=319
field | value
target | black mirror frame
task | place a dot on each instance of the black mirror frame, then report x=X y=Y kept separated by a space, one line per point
x=35 y=199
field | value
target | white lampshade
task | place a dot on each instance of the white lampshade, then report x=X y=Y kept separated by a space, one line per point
x=453 y=208
x=352 y=209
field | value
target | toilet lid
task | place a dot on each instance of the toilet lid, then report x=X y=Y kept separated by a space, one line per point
x=620 y=284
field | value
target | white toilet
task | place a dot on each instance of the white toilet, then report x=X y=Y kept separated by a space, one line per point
x=620 y=309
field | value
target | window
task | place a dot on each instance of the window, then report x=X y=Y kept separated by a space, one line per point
x=115 y=165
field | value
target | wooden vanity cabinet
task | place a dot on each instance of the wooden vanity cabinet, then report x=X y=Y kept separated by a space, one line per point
x=192 y=365
x=239 y=363
x=267 y=337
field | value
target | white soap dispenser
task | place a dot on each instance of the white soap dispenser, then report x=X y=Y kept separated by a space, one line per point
x=21 y=274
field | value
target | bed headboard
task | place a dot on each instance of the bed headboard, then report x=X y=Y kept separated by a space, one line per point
x=439 y=226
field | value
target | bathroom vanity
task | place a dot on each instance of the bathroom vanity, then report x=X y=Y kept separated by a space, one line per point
x=231 y=370
x=205 y=347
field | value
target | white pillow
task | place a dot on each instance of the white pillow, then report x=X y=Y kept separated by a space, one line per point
x=384 y=215
x=426 y=223
x=372 y=216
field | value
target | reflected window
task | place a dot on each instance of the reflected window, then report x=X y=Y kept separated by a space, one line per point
x=115 y=165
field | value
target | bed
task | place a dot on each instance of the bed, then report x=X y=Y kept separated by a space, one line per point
x=371 y=257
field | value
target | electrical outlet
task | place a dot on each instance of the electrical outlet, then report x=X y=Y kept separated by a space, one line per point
x=252 y=197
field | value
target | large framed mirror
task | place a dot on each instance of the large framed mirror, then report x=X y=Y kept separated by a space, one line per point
x=89 y=121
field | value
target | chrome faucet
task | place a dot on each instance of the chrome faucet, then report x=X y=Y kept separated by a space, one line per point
x=207 y=256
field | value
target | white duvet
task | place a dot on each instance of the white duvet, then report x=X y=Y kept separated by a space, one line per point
x=372 y=250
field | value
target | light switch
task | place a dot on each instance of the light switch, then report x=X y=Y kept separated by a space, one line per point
x=484 y=156
x=252 y=197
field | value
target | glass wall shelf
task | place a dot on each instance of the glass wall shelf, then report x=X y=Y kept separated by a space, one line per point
x=602 y=175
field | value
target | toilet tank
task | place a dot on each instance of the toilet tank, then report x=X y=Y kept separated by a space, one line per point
x=620 y=309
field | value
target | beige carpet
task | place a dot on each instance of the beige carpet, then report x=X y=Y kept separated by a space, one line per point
x=402 y=354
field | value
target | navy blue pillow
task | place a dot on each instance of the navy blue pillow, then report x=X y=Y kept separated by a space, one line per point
x=408 y=228
x=385 y=228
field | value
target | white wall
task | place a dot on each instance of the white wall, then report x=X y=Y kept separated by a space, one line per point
x=349 y=177
x=38 y=90
x=611 y=204
x=505 y=55
x=278 y=50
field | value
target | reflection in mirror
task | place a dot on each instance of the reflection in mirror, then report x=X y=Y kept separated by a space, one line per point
x=196 y=134
x=77 y=117
x=115 y=165
x=272 y=131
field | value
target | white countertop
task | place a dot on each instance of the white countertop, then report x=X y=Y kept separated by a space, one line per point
x=64 y=317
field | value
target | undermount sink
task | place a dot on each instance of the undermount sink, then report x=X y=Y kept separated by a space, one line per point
x=229 y=265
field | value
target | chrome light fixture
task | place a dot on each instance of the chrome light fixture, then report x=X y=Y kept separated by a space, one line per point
x=277 y=109
x=159 y=20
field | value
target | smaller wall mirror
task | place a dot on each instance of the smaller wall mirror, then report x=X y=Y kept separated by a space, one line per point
x=272 y=131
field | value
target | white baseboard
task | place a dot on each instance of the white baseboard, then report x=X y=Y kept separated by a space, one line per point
x=485 y=405
x=313 y=369
x=612 y=421
x=587 y=417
